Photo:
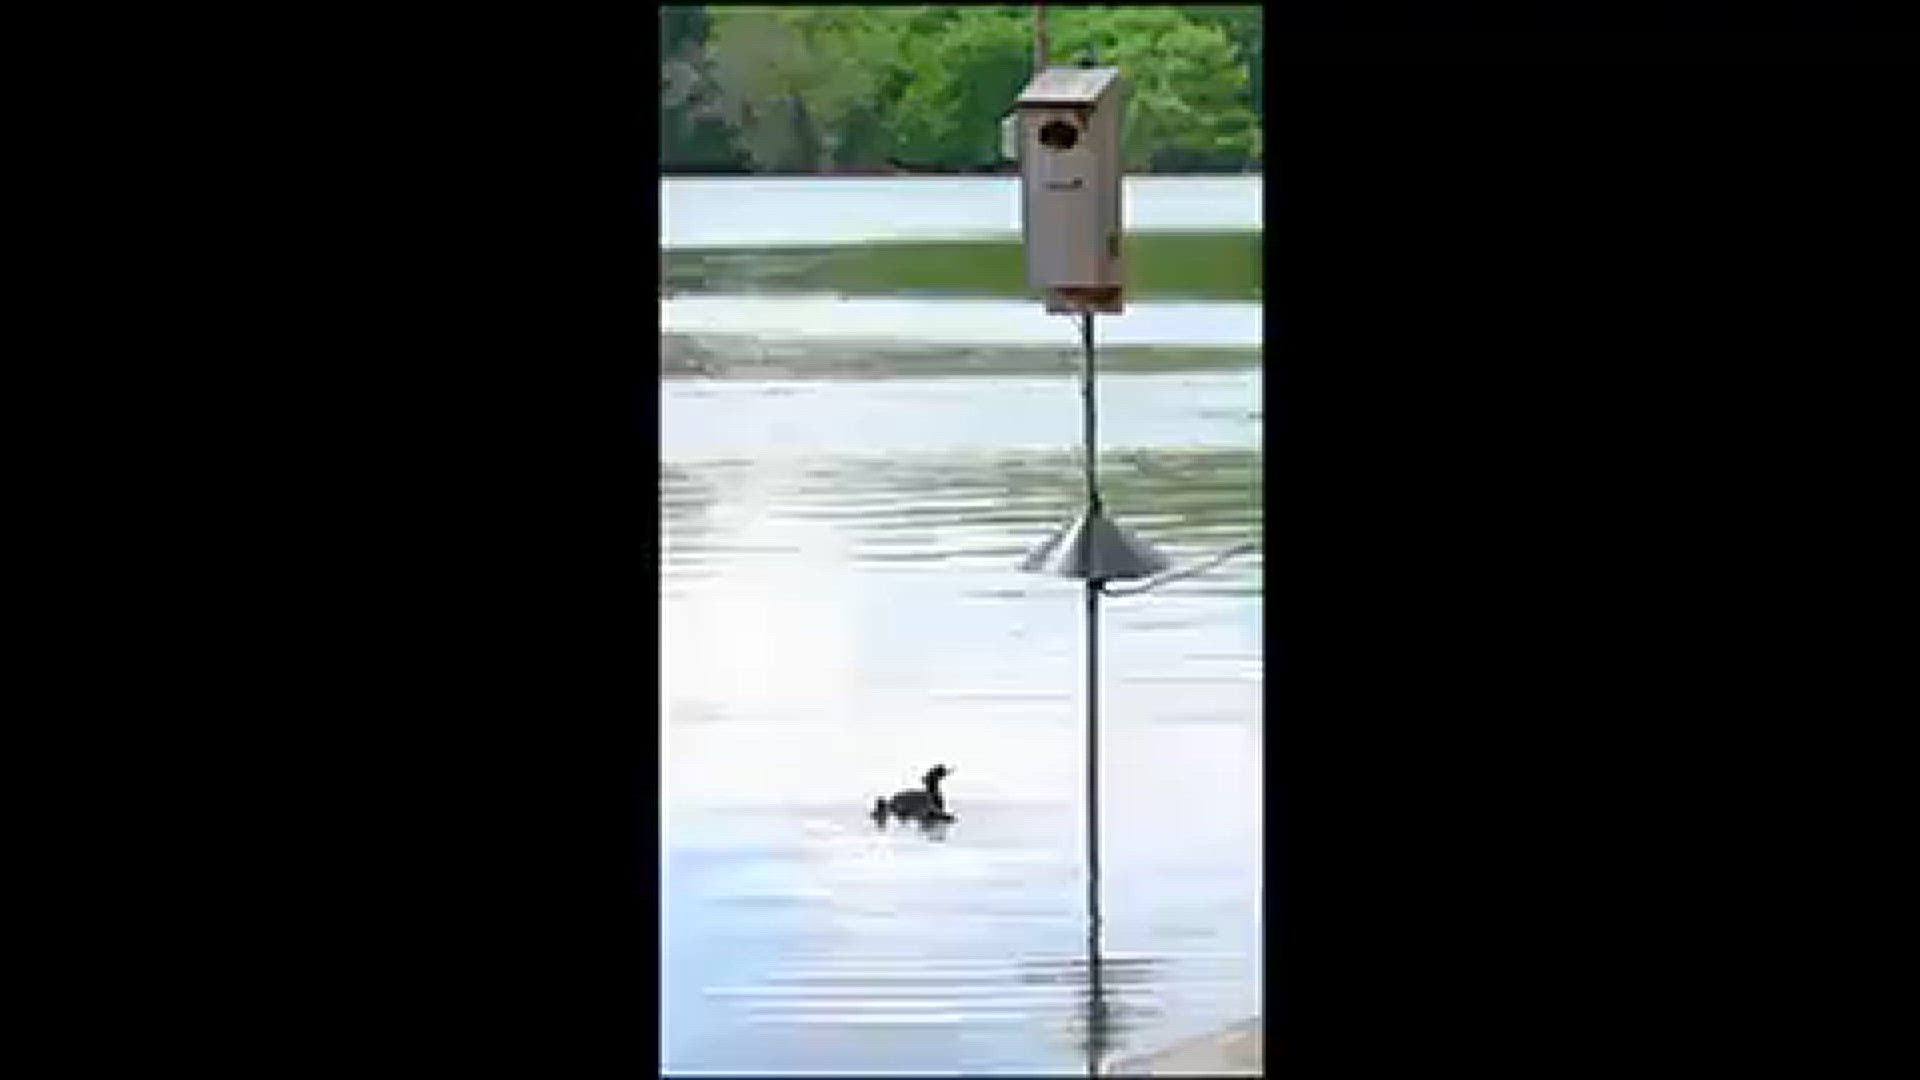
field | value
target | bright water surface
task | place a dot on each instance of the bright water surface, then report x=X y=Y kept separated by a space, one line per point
x=849 y=478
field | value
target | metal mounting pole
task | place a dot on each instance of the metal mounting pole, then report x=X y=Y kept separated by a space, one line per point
x=1093 y=649
x=1086 y=407
x=1090 y=444
x=1096 y=1022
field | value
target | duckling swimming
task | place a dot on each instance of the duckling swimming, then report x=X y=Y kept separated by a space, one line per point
x=923 y=805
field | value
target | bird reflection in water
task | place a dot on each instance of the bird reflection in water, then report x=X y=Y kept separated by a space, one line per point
x=933 y=828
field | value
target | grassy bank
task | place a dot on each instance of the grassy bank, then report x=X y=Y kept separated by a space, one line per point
x=1187 y=266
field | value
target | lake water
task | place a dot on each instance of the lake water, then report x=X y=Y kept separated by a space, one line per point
x=864 y=425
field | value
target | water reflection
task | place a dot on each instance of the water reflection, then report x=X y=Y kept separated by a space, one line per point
x=1093 y=1005
x=968 y=513
x=931 y=828
x=758 y=211
x=1099 y=1027
x=725 y=353
x=1112 y=996
x=833 y=619
x=792 y=327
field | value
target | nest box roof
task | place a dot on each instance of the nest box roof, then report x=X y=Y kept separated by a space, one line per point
x=1069 y=86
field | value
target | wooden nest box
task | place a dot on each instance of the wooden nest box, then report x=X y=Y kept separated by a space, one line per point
x=1069 y=132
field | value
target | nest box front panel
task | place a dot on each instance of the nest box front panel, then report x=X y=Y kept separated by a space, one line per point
x=1064 y=234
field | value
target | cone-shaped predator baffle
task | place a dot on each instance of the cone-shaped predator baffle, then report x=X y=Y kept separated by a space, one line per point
x=1093 y=547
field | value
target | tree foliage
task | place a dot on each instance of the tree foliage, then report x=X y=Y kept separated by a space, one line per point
x=793 y=89
x=1186 y=107
x=693 y=134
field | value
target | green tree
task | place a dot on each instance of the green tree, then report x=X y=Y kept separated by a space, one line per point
x=960 y=79
x=760 y=67
x=866 y=48
x=791 y=80
x=693 y=135
x=803 y=89
x=1245 y=26
x=1186 y=106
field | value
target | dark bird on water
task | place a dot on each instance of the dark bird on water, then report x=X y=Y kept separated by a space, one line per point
x=922 y=804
